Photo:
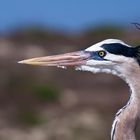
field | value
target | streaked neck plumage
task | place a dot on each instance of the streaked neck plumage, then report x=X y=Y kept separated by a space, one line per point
x=124 y=125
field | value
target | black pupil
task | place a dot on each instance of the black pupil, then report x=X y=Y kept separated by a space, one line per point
x=101 y=53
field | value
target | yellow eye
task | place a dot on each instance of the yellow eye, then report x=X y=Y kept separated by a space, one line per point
x=101 y=53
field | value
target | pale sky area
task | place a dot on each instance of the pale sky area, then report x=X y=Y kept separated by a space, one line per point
x=68 y=15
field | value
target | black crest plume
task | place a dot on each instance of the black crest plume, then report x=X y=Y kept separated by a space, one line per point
x=137 y=53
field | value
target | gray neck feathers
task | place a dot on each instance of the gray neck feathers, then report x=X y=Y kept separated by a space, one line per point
x=126 y=118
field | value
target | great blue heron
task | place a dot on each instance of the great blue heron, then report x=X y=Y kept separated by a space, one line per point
x=110 y=56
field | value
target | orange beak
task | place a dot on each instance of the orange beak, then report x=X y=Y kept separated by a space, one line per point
x=62 y=60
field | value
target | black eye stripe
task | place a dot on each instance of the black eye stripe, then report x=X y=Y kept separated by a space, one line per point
x=119 y=49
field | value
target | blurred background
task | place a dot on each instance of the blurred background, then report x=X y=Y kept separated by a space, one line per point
x=41 y=103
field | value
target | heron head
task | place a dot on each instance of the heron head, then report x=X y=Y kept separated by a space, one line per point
x=111 y=56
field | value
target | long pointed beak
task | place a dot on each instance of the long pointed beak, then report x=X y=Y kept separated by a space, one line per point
x=62 y=60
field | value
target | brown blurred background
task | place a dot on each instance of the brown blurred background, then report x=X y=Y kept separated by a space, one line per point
x=41 y=103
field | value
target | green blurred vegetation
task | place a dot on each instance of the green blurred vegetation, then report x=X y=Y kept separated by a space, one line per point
x=28 y=96
x=45 y=93
x=28 y=117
